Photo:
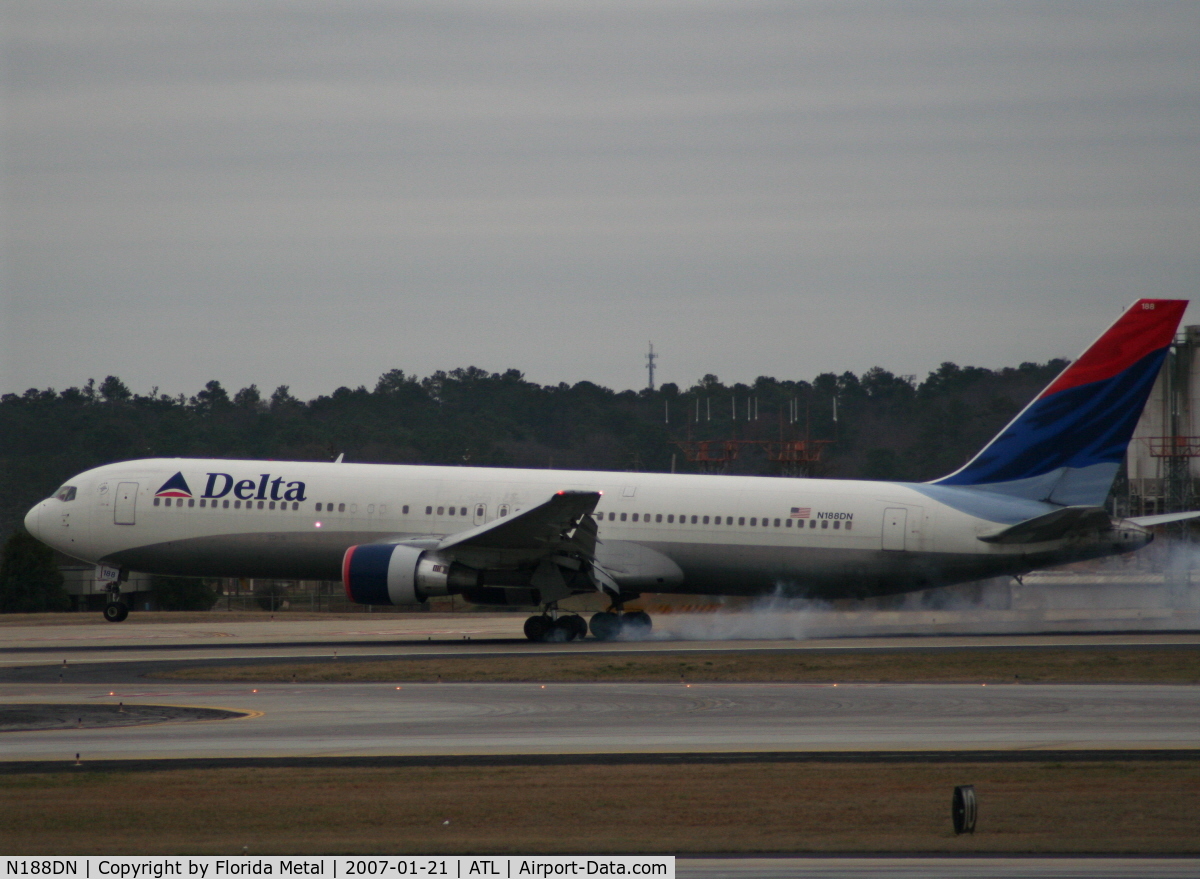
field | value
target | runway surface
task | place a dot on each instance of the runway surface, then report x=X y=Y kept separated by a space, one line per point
x=433 y=719
x=87 y=639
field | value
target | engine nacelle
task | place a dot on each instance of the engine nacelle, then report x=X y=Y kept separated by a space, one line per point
x=380 y=573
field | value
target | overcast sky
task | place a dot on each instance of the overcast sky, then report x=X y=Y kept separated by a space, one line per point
x=311 y=194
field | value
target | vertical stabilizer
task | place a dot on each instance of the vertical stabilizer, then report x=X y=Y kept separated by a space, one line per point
x=1067 y=445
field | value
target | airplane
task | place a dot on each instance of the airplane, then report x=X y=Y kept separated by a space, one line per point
x=1032 y=498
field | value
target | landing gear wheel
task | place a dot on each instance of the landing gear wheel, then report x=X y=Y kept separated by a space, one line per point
x=637 y=624
x=606 y=626
x=538 y=627
x=580 y=626
x=564 y=630
x=116 y=611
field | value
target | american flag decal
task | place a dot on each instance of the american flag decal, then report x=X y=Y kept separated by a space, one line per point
x=801 y=512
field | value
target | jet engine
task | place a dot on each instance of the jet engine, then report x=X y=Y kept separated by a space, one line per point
x=378 y=573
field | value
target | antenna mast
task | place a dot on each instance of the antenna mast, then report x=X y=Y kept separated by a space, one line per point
x=650 y=358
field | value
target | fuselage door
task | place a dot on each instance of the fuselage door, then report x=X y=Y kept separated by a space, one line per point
x=125 y=508
x=894 y=522
x=480 y=514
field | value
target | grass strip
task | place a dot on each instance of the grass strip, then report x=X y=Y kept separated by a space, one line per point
x=1031 y=665
x=1131 y=808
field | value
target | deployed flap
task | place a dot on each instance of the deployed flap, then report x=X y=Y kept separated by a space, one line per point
x=1162 y=519
x=1052 y=526
x=545 y=527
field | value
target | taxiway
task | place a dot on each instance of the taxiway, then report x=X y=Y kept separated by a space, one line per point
x=464 y=719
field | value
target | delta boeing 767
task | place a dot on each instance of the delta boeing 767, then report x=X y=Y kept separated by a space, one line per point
x=398 y=534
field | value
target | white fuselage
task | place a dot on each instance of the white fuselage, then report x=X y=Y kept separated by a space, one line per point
x=729 y=535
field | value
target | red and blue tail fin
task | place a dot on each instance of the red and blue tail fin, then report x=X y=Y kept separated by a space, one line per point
x=1066 y=446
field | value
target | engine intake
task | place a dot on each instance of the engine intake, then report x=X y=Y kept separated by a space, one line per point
x=380 y=573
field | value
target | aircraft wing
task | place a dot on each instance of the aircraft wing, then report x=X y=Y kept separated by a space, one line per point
x=1052 y=526
x=561 y=524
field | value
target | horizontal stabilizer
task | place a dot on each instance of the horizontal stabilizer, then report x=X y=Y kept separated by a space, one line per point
x=1162 y=519
x=1052 y=526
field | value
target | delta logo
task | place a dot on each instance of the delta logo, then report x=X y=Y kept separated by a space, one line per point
x=176 y=486
x=221 y=484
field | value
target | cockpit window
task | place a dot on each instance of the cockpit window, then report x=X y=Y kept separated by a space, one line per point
x=66 y=493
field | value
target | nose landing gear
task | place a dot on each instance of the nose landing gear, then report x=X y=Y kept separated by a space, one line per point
x=115 y=610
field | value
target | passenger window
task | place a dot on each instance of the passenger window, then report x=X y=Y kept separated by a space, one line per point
x=271 y=505
x=824 y=523
x=341 y=508
x=848 y=524
x=812 y=523
x=452 y=511
x=623 y=516
x=441 y=511
x=788 y=521
x=776 y=523
x=225 y=505
x=370 y=509
x=635 y=517
x=260 y=505
x=657 y=517
x=462 y=511
x=156 y=502
x=836 y=525
x=742 y=520
x=503 y=510
x=404 y=509
x=318 y=508
x=429 y=511
x=179 y=503
x=612 y=517
x=670 y=518
x=694 y=520
x=706 y=520
x=237 y=505
x=191 y=502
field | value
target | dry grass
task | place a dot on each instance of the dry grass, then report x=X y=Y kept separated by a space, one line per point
x=1049 y=665
x=1079 y=807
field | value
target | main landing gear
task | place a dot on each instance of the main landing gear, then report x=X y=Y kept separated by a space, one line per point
x=556 y=629
x=606 y=626
x=610 y=625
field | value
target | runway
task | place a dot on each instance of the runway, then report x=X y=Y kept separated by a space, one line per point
x=153 y=638
x=329 y=720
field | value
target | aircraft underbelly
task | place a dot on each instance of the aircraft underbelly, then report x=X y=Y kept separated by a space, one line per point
x=707 y=568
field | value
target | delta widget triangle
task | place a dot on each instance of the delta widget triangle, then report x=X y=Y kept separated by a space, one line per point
x=176 y=486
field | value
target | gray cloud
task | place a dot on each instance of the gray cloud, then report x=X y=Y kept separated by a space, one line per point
x=310 y=194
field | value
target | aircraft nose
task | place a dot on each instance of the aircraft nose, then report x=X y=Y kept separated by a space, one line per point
x=33 y=520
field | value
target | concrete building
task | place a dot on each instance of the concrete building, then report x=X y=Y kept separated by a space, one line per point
x=1162 y=465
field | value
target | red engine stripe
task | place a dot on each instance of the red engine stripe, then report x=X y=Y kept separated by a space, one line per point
x=346 y=572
